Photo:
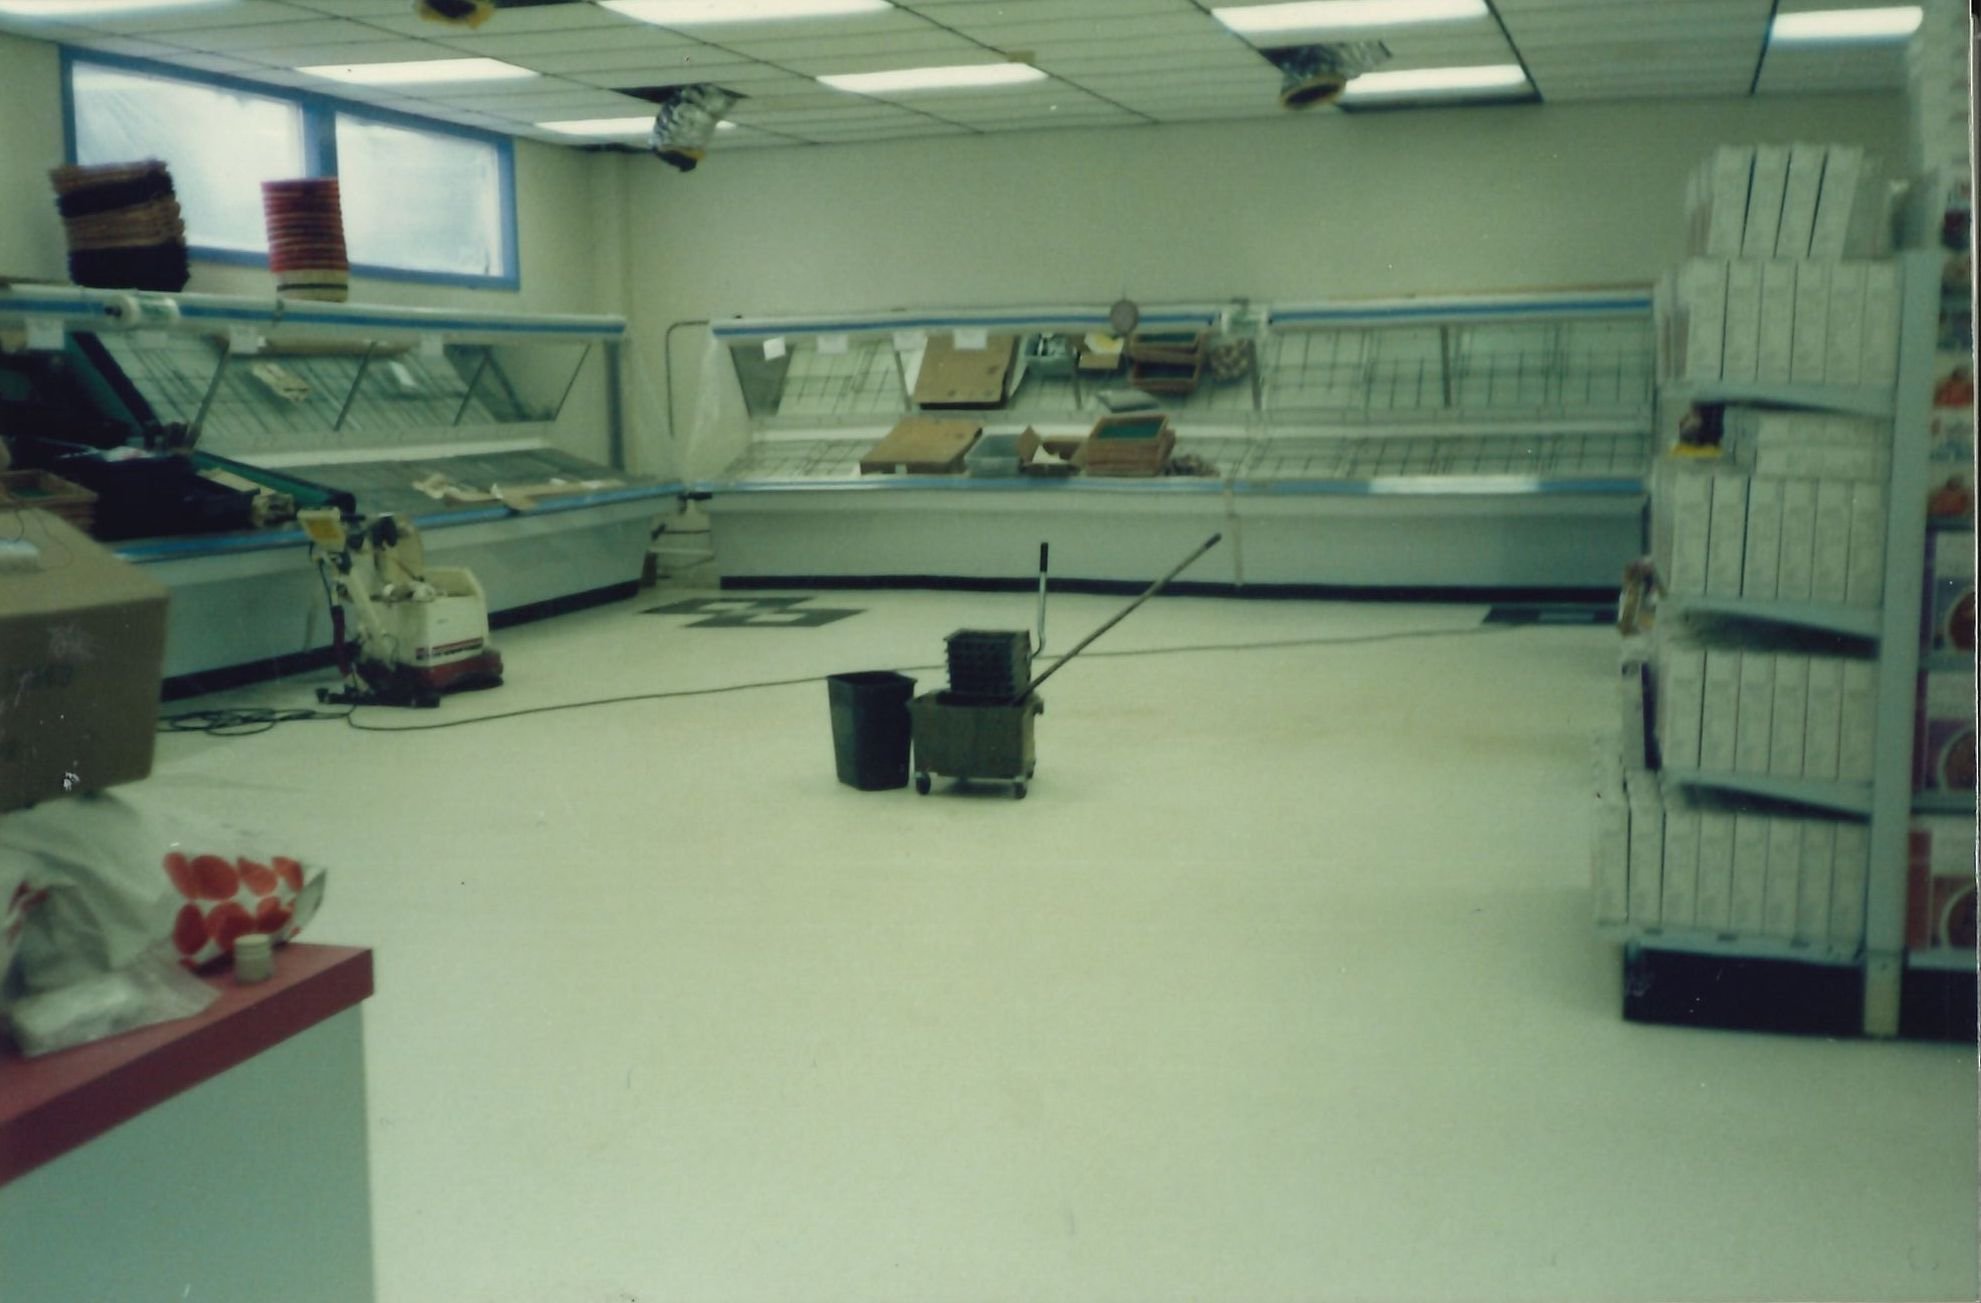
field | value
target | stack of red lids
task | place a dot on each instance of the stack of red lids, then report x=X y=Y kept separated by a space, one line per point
x=306 y=238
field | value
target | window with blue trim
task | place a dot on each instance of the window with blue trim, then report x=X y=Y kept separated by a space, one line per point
x=422 y=201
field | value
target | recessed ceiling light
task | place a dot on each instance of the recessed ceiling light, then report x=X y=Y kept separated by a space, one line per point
x=418 y=71
x=1435 y=81
x=1344 y=15
x=97 y=8
x=689 y=13
x=957 y=77
x=601 y=126
x=1827 y=26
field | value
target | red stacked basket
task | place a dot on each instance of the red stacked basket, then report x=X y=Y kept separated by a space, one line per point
x=306 y=238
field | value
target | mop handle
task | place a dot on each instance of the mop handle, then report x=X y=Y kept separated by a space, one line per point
x=1040 y=649
x=1120 y=615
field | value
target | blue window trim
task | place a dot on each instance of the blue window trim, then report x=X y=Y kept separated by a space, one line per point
x=320 y=113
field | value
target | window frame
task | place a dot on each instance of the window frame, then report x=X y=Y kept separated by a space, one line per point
x=319 y=117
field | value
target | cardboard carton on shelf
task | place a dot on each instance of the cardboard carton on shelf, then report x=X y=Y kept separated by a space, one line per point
x=954 y=376
x=922 y=445
x=1128 y=444
x=82 y=649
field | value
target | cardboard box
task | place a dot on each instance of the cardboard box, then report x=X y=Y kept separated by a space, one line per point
x=1829 y=574
x=1688 y=527
x=1609 y=860
x=1849 y=871
x=1764 y=202
x=1822 y=721
x=1729 y=178
x=1949 y=605
x=1774 y=363
x=1761 y=566
x=1128 y=444
x=1714 y=898
x=1943 y=732
x=1864 y=575
x=1757 y=710
x=82 y=647
x=964 y=377
x=1647 y=852
x=1681 y=701
x=1881 y=323
x=1812 y=901
x=1804 y=188
x=1809 y=349
x=1727 y=544
x=922 y=445
x=1784 y=873
x=1702 y=286
x=1843 y=167
x=1844 y=362
x=1747 y=899
x=1857 y=726
x=1681 y=875
x=1787 y=731
x=1798 y=542
x=1939 y=898
x=1742 y=350
x=1720 y=711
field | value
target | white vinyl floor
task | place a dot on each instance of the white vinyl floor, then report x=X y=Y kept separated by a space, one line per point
x=1281 y=985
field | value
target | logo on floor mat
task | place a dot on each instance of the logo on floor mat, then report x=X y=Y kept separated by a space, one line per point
x=754 y=612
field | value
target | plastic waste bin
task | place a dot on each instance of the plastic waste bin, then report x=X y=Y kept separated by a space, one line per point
x=870 y=728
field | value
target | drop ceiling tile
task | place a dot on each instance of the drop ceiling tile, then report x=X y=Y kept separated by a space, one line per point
x=127 y=46
x=494 y=43
x=931 y=45
x=313 y=30
x=316 y=56
x=242 y=13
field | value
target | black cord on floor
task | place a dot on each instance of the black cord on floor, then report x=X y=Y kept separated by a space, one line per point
x=247 y=721
x=243 y=721
x=1267 y=645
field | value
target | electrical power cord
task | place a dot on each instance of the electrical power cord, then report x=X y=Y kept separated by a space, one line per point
x=248 y=721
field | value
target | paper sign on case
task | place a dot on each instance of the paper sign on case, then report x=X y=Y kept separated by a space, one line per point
x=773 y=348
x=45 y=336
x=832 y=345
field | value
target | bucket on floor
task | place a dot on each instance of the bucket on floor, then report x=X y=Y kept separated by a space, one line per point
x=870 y=728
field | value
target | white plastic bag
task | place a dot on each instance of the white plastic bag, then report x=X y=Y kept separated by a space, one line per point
x=106 y=900
x=152 y=989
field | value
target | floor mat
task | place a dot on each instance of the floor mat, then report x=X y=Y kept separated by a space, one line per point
x=754 y=612
x=1551 y=613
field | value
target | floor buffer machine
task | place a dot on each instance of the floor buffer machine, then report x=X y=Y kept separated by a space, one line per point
x=981 y=727
x=420 y=630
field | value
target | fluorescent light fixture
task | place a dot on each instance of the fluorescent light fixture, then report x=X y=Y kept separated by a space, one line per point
x=957 y=77
x=601 y=126
x=97 y=8
x=612 y=126
x=1344 y=15
x=692 y=13
x=418 y=72
x=1844 y=26
x=1435 y=81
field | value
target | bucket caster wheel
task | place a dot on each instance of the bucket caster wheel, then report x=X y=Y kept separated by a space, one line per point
x=1018 y=790
x=921 y=784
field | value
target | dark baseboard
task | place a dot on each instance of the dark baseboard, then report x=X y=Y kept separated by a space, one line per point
x=1129 y=588
x=1773 y=995
x=198 y=684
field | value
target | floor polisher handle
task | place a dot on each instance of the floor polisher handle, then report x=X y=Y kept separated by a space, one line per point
x=1120 y=615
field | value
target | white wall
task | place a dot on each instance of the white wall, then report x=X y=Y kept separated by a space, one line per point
x=1309 y=207
x=556 y=218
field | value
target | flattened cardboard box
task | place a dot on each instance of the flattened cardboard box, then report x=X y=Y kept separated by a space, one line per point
x=964 y=377
x=922 y=445
x=82 y=647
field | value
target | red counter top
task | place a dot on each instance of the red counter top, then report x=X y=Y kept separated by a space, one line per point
x=60 y=1101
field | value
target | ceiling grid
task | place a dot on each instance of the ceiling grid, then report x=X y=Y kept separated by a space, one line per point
x=1106 y=62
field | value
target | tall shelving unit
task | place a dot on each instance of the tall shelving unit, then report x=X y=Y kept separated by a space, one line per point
x=1872 y=970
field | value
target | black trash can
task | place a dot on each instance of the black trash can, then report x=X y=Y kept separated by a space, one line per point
x=870 y=728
